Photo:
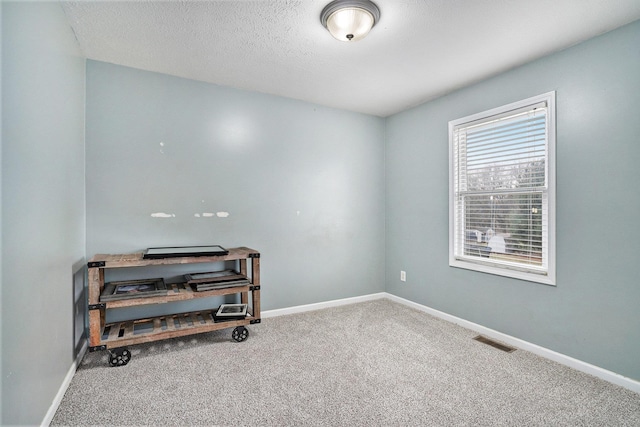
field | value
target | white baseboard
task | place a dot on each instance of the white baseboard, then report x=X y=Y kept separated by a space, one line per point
x=63 y=387
x=571 y=362
x=321 y=305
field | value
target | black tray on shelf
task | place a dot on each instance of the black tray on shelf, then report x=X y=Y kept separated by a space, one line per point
x=128 y=289
x=216 y=280
x=231 y=312
x=184 y=251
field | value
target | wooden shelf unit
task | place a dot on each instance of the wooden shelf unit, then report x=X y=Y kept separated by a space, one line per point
x=104 y=336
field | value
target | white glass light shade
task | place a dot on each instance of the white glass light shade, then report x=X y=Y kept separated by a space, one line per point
x=350 y=20
x=350 y=24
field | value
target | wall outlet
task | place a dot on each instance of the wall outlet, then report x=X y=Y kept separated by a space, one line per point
x=403 y=276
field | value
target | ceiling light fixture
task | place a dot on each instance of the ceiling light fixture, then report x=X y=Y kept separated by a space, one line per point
x=350 y=20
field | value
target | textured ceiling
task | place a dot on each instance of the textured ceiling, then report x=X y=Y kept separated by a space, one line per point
x=420 y=49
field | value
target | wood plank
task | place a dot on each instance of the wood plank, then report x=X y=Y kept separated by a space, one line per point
x=94 y=285
x=114 y=332
x=208 y=317
x=124 y=341
x=173 y=289
x=184 y=290
x=255 y=296
x=194 y=319
x=218 y=292
x=128 y=329
x=181 y=323
x=95 y=328
x=136 y=259
x=255 y=271
x=160 y=299
x=185 y=294
x=187 y=291
x=171 y=326
x=244 y=297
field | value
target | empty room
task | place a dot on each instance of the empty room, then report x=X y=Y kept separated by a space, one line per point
x=316 y=212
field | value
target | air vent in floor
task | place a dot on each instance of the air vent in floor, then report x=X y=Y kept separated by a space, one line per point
x=495 y=344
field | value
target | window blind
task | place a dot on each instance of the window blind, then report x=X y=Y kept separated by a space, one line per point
x=500 y=189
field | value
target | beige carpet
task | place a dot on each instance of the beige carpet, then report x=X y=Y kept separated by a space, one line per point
x=376 y=363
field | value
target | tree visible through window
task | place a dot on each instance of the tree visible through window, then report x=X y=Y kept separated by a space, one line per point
x=502 y=190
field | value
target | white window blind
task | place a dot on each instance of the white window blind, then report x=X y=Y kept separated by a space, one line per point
x=500 y=190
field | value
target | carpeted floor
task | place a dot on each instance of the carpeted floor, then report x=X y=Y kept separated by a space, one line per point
x=376 y=363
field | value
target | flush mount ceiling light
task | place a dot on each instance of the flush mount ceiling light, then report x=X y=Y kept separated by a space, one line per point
x=350 y=20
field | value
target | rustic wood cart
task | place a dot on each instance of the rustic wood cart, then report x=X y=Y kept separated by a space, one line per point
x=115 y=337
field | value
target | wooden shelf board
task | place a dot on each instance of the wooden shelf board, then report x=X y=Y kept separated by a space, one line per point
x=121 y=334
x=136 y=259
x=176 y=292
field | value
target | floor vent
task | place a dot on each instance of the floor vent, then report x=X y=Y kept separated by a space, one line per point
x=495 y=344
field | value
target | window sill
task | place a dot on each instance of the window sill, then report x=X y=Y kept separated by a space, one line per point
x=545 y=279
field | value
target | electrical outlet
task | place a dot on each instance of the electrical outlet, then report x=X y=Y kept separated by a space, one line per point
x=403 y=276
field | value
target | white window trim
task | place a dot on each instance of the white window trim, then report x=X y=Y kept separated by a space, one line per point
x=550 y=277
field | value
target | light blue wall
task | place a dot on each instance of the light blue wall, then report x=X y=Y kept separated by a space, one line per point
x=303 y=184
x=43 y=226
x=593 y=313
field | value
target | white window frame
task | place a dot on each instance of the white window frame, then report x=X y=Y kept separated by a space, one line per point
x=547 y=274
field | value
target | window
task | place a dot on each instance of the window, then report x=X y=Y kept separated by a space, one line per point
x=502 y=190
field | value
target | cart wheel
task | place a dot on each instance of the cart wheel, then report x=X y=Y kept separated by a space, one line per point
x=119 y=357
x=240 y=333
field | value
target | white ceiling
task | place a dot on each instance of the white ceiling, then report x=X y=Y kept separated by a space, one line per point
x=419 y=50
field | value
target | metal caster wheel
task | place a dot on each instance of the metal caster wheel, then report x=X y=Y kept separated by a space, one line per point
x=240 y=333
x=119 y=357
